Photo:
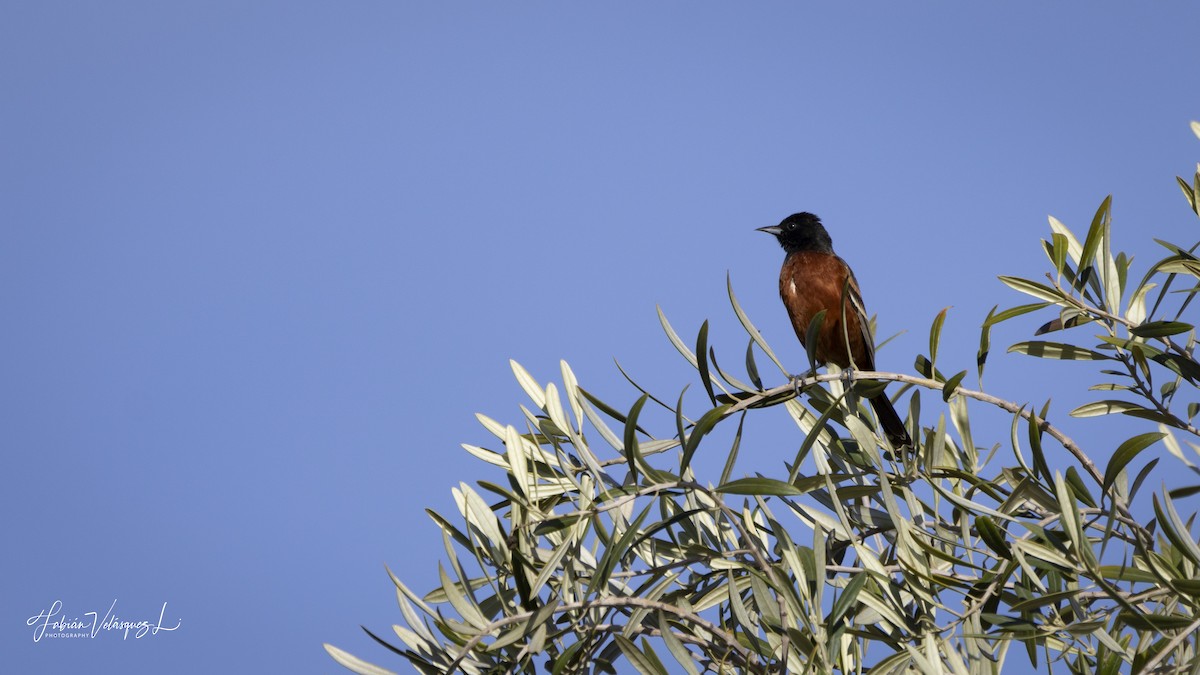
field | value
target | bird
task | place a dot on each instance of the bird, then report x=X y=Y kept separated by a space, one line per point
x=814 y=278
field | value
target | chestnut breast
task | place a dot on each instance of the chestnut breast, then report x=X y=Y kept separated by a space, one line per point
x=811 y=281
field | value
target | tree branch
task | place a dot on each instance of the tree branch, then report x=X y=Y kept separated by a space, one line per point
x=1053 y=431
x=746 y=656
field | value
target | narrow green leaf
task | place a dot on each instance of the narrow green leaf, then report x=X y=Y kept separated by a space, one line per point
x=1175 y=530
x=995 y=318
x=1109 y=407
x=1191 y=193
x=1141 y=477
x=1180 y=493
x=846 y=598
x=1075 y=482
x=414 y=641
x=1121 y=267
x=681 y=654
x=1196 y=190
x=674 y=338
x=1154 y=622
x=810 y=338
x=1043 y=599
x=518 y=461
x=602 y=406
x=352 y=662
x=482 y=518
x=759 y=486
x=1185 y=367
x=752 y=367
x=649 y=651
x=1072 y=522
x=1015 y=442
x=530 y=385
x=702 y=427
x=449 y=529
x=737 y=605
x=952 y=384
x=1129 y=345
x=1051 y=555
x=812 y=435
x=992 y=535
x=702 y=361
x=1058 y=251
x=1111 y=275
x=1091 y=243
x=733 y=452
x=615 y=551
x=1189 y=586
x=935 y=334
x=869 y=388
x=1069 y=318
x=966 y=504
x=962 y=423
x=1074 y=249
x=722 y=375
x=923 y=366
x=646 y=663
x=1125 y=454
x=1033 y=288
x=571 y=390
x=1057 y=350
x=680 y=425
x=985 y=344
x=765 y=600
x=750 y=328
x=632 y=456
x=458 y=599
x=570 y=657
x=1137 y=313
x=1160 y=329
x=1035 y=443
x=1180 y=265
x=1124 y=573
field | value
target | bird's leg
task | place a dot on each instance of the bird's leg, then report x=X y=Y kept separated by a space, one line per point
x=849 y=375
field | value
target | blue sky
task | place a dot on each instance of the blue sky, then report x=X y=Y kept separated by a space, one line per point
x=260 y=263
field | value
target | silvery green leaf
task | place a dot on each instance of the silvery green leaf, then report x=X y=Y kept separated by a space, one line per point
x=354 y=663
x=530 y=385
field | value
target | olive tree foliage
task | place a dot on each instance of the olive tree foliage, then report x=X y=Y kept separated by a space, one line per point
x=605 y=551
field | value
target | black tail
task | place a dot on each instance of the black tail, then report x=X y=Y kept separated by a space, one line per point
x=892 y=425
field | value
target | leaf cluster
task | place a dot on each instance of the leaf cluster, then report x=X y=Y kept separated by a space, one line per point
x=603 y=549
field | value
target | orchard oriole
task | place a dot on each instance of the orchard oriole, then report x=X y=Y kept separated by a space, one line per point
x=814 y=278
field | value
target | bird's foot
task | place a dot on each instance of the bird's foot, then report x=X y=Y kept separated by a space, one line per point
x=850 y=375
x=798 y=381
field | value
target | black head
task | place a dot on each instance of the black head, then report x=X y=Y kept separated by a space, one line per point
x=801 y=232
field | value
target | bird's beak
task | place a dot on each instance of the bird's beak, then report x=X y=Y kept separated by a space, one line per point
x=773 y=229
